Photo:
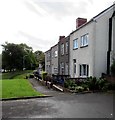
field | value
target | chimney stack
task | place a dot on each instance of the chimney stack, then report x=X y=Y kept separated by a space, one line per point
x=80 y=22
x=61 y=37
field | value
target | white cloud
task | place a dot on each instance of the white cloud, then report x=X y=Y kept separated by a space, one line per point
x=39 y=23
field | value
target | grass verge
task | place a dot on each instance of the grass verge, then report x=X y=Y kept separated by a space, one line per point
x=16 y=74
x=15 y=88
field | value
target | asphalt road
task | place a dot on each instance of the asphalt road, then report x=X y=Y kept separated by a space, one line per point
x=61 y=105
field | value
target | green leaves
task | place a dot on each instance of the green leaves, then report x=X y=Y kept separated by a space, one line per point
x=17 y=56
x=40 y=57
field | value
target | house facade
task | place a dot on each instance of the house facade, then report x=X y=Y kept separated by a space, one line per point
x=54 y=59
x=87 y=51
x=89 y=46
x=51 y=60
x=48 y=61
x=63 y=55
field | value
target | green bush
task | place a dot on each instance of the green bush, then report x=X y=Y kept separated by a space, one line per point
x=79 y=89
x=92 y=83
x=85 y=86
x=30 y=76
x=69 y=84
x=113 y=68
x=48 y=78
x=44 y=74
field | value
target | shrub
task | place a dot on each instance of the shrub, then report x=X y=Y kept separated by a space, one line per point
x=92 y=83
x=30 y=76
x=69 y=84
x=113 y=68
x=79 y=89
x=44 y=74
x=85 y=86
x=48 y=78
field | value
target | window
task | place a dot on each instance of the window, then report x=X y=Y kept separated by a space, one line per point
x=84 y=70
x=62 y=49
x=49 y=56
x=52 y=54
x=75 y=44
x=66 y=50
x=56 y=53
x=84 y=40
x=66 y=68
x=62 y=68
x=55 y=70
x=74 y=65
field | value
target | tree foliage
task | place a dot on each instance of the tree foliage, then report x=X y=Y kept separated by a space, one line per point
x=17 y=56
x=40 y=57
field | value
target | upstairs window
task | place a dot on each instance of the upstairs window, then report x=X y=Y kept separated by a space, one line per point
x=62 y=49
x=75 y=44
x=66 y=50
x=84 y=40
x=56 y=53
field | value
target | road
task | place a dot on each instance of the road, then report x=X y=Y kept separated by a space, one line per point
x=61 y=105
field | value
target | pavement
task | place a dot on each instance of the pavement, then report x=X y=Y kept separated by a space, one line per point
x=61 y=105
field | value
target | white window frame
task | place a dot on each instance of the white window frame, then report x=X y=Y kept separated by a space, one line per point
x=75 y=43
x=84 y=72
x=84 y=40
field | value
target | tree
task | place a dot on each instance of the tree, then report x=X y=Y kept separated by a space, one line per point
x=17 y=56
x=40 y=57
x=0 y=61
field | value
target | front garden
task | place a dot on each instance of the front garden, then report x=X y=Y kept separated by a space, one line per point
x=90 y=84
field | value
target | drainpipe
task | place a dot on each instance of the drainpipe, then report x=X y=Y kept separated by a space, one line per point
x=109 y=43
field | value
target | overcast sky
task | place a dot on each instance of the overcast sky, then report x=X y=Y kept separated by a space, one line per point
x=39 y=23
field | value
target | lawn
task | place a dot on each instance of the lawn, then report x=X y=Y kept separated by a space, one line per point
x=14 y=85
x=16 y=74
x=14 y=88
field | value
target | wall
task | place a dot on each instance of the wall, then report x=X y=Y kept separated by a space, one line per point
x=63 y=58
x=83 y=55
x=48 y=61
x=101 y=43
x=54 y=59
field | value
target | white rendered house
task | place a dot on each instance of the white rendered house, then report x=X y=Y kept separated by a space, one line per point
x=91 y=45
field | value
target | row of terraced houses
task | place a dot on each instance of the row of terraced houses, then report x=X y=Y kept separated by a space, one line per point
x=86 y=51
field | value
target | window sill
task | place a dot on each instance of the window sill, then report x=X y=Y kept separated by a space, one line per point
x=84 y=46
x=75 y=48
x=83 y=76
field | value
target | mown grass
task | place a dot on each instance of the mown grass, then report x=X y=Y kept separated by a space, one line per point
x=14 y=88
x=14 y=85
x=16 y=74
